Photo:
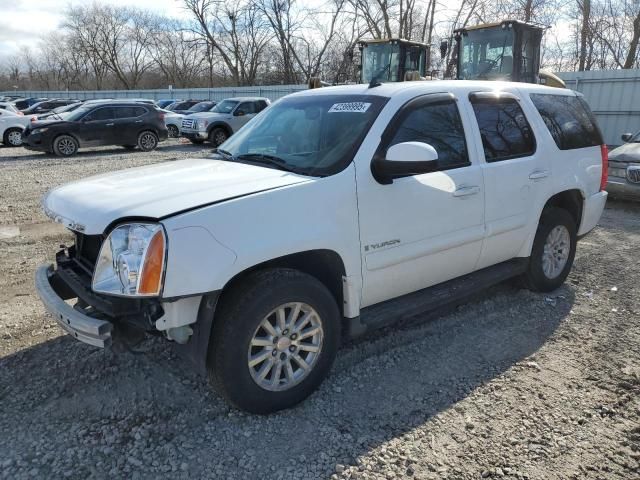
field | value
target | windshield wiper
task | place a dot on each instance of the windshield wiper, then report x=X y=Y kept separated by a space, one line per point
x=266 y=159
x=224 y=153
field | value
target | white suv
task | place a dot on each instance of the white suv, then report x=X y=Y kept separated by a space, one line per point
x=334 y=212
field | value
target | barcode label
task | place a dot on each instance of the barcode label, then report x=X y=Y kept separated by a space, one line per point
x=358 y=107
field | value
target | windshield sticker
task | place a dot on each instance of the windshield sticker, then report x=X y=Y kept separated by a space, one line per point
x=359 y=107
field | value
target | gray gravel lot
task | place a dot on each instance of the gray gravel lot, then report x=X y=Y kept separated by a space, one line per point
x=512 y=384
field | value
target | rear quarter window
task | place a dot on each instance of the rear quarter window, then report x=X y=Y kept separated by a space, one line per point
x=569 y=120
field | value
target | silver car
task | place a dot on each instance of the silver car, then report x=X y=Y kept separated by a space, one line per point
x=624 y=168
x=225 y=119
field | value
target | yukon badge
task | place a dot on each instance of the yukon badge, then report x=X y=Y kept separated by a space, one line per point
x=377 y=246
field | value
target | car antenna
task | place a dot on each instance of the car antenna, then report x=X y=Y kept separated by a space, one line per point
x=374 y=80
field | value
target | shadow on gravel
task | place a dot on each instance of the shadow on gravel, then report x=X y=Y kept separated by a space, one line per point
x=151 y=407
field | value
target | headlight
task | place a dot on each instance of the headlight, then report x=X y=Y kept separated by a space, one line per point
x=202 y=124
x=40 y=130
x=131 y=261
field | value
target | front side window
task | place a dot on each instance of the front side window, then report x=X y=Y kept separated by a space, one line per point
x=569 y=120
x=105 y=113
x=487 y=54
x=246 y=107
x=312 y=135
x=438 y=124
x=380 y=61
x=504 y=129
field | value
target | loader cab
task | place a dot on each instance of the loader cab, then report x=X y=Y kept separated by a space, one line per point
x=392 y=60
x=508 y=50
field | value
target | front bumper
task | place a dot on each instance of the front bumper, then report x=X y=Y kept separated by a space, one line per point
x=35 y=142
x=87 y=329
x=620 y=188
x=194 y=134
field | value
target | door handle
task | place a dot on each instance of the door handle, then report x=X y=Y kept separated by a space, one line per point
x=109 y=125
x=466 y=191
x=539 y=174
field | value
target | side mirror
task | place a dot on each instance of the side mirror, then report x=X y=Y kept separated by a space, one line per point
x=239 y=113
x=626 y=137
x=405 y=159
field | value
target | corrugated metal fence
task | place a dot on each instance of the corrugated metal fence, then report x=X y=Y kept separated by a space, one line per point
x=614 y=96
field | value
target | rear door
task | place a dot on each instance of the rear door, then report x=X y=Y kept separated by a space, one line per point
x=96 y=128
x=128 y=122
x=516 y=176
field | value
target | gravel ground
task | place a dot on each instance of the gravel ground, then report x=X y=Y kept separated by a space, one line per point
x=512 y=384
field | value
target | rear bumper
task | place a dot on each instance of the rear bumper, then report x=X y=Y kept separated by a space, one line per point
x=620 y=188
x=87 y=329
x=591 y=212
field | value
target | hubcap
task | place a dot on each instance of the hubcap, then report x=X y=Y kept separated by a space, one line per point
x=148 y=141
x=173 y=131
x=220 y=138
x=556 y=251
x=66 y=146
x=278 y=360
x=15 y=138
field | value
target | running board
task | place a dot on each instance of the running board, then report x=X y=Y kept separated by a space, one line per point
x=431 y=298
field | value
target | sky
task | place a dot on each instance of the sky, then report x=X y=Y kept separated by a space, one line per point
x=25 y=22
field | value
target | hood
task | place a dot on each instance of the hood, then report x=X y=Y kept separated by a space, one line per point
x=158 y=191
x=629 y=152
x=210 y=115
x=47 y=122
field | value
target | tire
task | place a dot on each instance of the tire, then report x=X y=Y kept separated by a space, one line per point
x=244 y=311
x=557 y=231
x=174 y=132
x=65 y=146
x=12 y=137
x=218 y=136
x=147 y=141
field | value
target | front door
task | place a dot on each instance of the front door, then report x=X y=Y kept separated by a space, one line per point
x=244 y=112
x=423 y=229
x=97 y=127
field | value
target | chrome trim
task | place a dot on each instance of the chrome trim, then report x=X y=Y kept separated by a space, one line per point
x=83 y=327
x=633 y=173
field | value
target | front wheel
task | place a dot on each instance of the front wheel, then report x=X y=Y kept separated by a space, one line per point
x=13 y=137
x=554 y=249
x=274 y=340
x=218 y=136
x=147 y=141
x=65 y=146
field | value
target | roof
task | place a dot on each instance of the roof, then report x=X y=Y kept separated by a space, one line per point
x=246 y=99
x=497 y=24
x=428 y=86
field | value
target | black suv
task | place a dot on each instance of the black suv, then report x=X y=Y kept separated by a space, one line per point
x=128 y=124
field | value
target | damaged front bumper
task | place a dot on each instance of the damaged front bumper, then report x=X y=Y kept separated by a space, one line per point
x=74 y=321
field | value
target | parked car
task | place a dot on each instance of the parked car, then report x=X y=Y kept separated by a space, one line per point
x=117 y=123
x=166 y=102
x=222 y=121
x=25 y=103
x=60 y=112
x=47 y=106
x=12 y=124
x=182 y=105
x=10 y=107
x=173 y=121
x=335 y=210
x=624 y=168
x=198 y=107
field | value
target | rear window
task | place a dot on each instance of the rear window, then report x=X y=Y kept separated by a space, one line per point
x=569 y=120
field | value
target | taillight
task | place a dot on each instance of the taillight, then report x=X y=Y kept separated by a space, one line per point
x=604 y=151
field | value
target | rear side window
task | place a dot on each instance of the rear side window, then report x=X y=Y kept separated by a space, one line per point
x=569 y=120
x=129 y=112
x=504 y=129
x=439 y=125
x=260 y=105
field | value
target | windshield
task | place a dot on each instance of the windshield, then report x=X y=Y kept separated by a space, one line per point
x=78 y=113
x=311 y=135
x=201 y=107
x=381 y=60
x=225 y=106
x=487 y=54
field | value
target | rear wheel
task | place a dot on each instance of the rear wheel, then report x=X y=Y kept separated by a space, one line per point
x=13 y=137
x=65 y=146
x=173 y=131
x=553 y=251
x=147 y=141
x=274 y=340
x=218 y=136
